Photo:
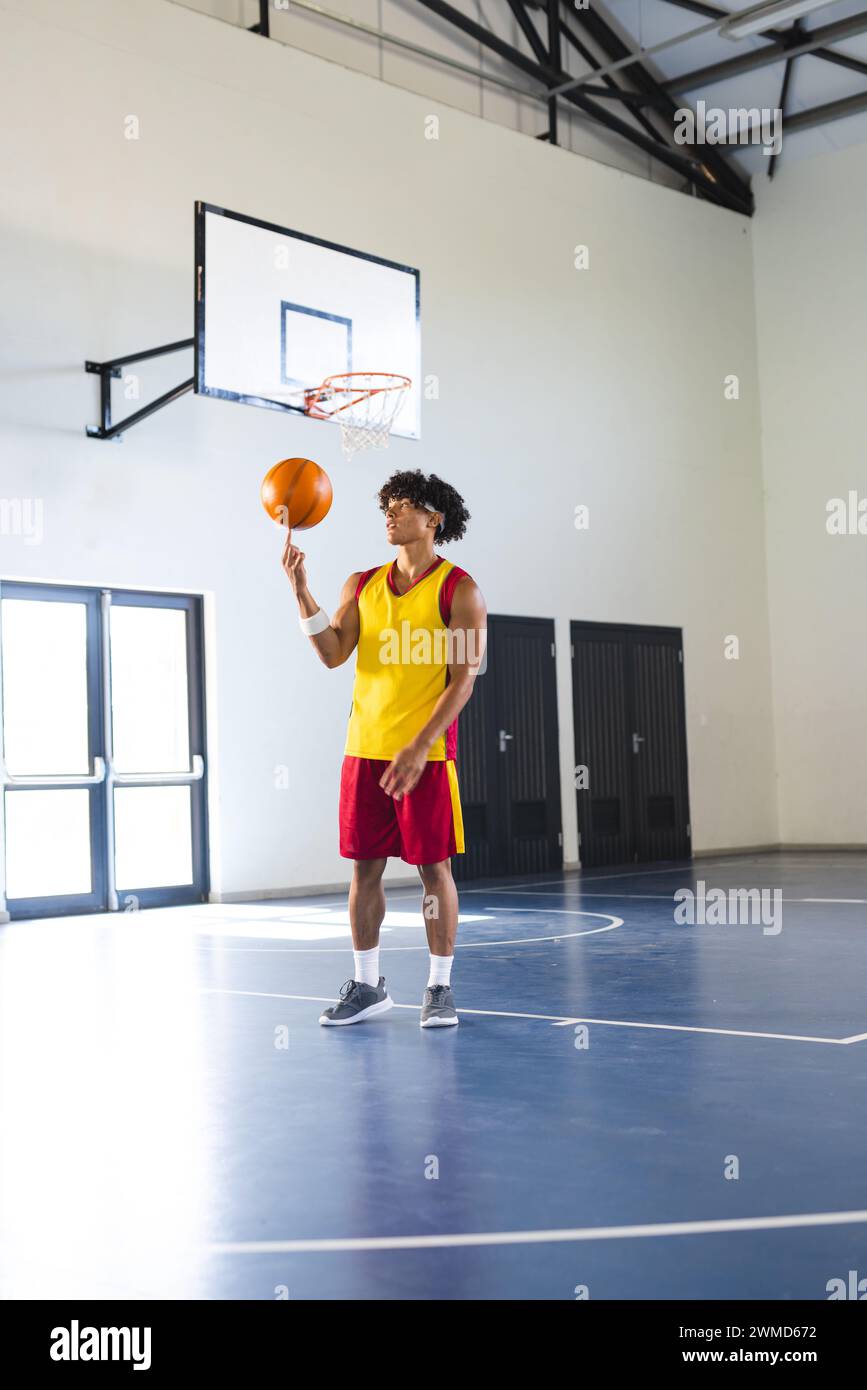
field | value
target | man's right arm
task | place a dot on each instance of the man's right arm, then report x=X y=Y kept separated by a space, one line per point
x=336 y=642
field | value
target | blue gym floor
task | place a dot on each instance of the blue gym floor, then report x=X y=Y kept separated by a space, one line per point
x=177 y=1125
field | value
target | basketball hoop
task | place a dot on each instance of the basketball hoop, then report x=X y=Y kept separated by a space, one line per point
x=364 y=404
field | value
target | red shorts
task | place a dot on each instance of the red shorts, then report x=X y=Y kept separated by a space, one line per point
x=424 y=827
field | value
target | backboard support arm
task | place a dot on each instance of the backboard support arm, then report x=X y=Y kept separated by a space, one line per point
x=106 y=371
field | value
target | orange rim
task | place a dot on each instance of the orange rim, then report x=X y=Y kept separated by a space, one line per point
x=393 y=382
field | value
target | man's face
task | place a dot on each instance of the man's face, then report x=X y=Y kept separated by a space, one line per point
x=405 y=523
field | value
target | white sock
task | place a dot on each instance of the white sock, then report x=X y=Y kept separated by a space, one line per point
x=367 y=966
x=440 y=970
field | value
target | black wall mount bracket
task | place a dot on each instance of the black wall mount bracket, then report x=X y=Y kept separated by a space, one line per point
x=106 y=371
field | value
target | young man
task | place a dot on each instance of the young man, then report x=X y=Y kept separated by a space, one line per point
x=418 y=624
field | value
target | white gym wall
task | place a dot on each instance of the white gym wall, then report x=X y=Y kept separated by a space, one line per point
x=811 y=293
x=557 y=387
x=479 y=91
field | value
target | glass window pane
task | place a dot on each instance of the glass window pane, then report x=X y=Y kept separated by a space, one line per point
x=47 y=843
x=44 y=686
x=153 y=835
x=149 y=689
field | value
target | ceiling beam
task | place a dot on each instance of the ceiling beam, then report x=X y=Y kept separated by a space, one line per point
x=690 y=167
x=633 y=100
x=262 y=27
x=797 y=27
x=555 y=62
x=788 y=46
x=613 y=47
x=529 y=30
x=828 y=55
x=831 y=111
x=638 y=100
x=814 y=116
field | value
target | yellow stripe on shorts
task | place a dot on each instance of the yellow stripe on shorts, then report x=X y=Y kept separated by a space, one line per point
x=457 y=814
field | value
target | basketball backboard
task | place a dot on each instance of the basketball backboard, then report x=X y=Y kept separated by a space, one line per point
x=277 y=311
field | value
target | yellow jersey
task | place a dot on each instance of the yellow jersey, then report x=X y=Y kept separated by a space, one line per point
x=402 y=661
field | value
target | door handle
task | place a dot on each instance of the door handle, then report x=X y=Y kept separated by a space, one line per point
x=161 y=779
x=637 y=740
x=85 y=779
x=504 y=737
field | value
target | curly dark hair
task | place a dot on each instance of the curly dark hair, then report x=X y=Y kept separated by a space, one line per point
x=431 y=492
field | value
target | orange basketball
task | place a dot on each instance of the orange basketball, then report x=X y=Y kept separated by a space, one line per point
x=297 y=493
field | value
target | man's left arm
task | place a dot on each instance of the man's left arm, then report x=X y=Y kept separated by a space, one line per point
x=467 y=636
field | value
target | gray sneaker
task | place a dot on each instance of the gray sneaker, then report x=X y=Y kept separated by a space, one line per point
x=438 y=1007
x=357 y=1002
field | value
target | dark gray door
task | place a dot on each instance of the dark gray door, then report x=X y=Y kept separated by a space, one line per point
x=630 y=743
x=508 y=765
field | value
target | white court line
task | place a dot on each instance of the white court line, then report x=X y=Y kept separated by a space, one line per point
x=559 y=911
x=569 y=1234
x=655 y=897
x=642 y=873
x=329 y=999
x=614 y=922
x=558 y=1020
x=825 y=900
x=576 y=879
x=689 y=1028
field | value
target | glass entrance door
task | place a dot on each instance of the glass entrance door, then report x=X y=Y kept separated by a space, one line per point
x=103 y=763
x=53 y=764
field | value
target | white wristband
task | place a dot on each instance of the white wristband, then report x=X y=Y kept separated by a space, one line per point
x=318 y=623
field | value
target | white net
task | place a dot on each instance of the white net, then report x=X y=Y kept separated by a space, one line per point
x=364 y=404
